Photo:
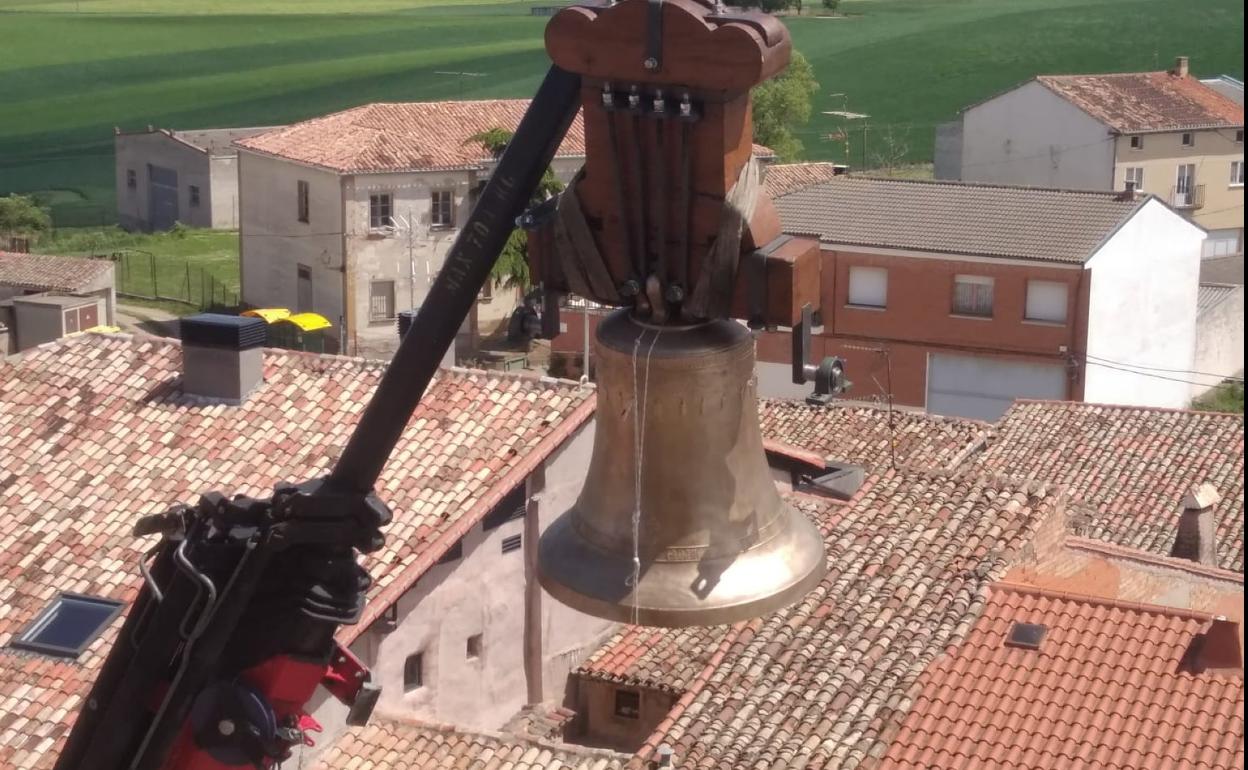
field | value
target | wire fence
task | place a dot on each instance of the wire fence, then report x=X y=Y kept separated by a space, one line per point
x=143 y=275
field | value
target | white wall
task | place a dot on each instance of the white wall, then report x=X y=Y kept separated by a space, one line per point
x=223 y=200
x=1031 y=136
x=273 y=243
x=1142 y=310
x=1219 y=342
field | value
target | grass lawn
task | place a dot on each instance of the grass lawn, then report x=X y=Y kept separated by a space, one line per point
x=71 y=70
x=199 y=267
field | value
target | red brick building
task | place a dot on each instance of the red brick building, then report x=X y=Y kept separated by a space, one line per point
x=963 y=297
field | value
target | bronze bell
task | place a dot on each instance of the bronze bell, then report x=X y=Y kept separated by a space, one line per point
x=713 y=541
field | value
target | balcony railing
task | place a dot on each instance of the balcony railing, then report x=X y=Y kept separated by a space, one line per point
x=1189 y=197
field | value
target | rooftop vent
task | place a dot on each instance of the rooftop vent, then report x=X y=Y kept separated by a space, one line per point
x=1027 y=635
x=221 y=356
x=1217 y=650
x=1196 y=538
x=839 y=481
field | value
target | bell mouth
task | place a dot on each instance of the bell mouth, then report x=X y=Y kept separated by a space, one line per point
x=676 y=594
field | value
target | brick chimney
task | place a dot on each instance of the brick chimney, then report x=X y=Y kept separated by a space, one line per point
x=222 y=357
x=1180 y=67
x=1196 y=539
x=1217 y=650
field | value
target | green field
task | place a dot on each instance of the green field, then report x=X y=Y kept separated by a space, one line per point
x=71 y=70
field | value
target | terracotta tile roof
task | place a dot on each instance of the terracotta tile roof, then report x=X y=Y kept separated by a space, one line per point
x=1106 y=689
x=410 y=136
x=819 y=684
x=860 y=435
x=1129 y=467
x=957 y=217
x=50 y=273
x=658 y=658
x=387 y=744
x=784 y=178
x=1138 y=102
x=95 y=432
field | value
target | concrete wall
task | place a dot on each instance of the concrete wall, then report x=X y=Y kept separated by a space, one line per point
x=39 y=319
x=223 y=196
x=484 y=592
x=135 y=152
x=273 y=243
x=1219 y=342
x=1212 y=153
x=1031 y=136
x=948 y=156
x=1142 y=310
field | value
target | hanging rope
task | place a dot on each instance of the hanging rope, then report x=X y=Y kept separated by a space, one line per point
x=640 y=392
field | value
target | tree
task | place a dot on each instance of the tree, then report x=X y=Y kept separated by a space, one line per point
x=832 y=5
x=781 y=105
x=512 y=267
x=890 y=149
x=21 y=218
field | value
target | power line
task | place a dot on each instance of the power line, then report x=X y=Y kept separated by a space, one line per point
x=1146 y=374
x=1098 y=359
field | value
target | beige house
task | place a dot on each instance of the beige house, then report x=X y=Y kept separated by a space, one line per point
x=164 y=177
x=351 y=215
x=1167 y=133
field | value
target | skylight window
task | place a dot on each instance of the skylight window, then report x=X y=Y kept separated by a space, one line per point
x=1026 y=635
x=69 y=625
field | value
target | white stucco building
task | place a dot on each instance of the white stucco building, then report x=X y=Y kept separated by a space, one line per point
x=351 y=215
x=1166 y=133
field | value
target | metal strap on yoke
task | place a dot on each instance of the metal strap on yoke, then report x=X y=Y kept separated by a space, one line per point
x=654 y=35
x=712 y=297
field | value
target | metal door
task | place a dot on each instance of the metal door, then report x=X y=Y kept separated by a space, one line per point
x=983 y=388
x=162 y=197
x=88 y=316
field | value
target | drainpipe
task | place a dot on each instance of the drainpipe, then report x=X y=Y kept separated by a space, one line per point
x=532 y=589
x=346 y=330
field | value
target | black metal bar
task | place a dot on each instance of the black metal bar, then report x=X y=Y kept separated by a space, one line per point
x=467 y=267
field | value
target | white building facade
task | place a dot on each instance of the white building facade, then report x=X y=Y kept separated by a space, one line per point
x=357 y=233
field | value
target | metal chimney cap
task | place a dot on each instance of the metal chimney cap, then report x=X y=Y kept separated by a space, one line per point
x=228 y=332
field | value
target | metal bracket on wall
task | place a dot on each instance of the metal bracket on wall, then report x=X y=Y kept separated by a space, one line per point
x=828 y=375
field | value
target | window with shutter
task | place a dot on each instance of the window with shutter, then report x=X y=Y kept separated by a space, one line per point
x=868 y=286
x=1046 y=301
x=972 y=295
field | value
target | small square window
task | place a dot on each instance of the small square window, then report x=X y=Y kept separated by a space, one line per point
x=1189 y=139
x=628 y=704
x=381 y=300
x=972 y=295
x=380 y=211
x=1137 y=142
x=194 y=196
x=69 y=625
x=512 y=543
x=1239 y=136
x=1133 y=178
x=473 y=647
x=1026 y=635
x=868 y=286
x=442 y=209
x=414 y=672
x=132 y=179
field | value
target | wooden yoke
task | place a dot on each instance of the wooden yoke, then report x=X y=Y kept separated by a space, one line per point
x=669 y=215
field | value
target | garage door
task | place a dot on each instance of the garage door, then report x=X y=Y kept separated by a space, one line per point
x=983 y=388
